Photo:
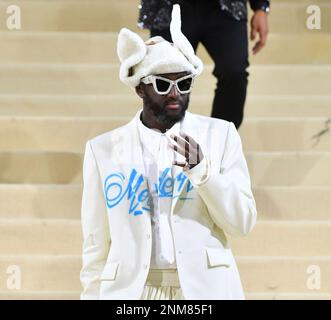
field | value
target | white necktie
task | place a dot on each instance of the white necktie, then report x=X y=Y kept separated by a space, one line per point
x=164 y=241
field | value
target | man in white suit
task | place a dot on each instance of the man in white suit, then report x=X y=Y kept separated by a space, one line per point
x=161 y=193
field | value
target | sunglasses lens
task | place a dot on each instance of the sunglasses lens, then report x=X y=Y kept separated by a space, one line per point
x=185 y=84
x=162 y=86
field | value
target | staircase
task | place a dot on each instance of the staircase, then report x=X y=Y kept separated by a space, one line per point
x=59 y=87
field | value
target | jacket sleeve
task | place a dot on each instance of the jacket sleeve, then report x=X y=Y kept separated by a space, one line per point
x=258 y=4
x=227 y=193
x=96 y=237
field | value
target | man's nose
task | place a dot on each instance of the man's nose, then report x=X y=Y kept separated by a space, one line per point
x=173 y=91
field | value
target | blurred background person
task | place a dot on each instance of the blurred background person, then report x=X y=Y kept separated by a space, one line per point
x=221 y=26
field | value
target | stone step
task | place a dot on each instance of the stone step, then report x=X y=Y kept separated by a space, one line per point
x=109 y=105
x=293 y=203
x=103 y=79
x=271 y=275
x=277 y=275
x=70 y=134
x=39 y=236
x=64 y=202
x=283 y=238
x=45 y=273
x=269 y=238
x=263 y=134
x=266 y=168
x=64 y=295
x=38 y=295
x=289 y=168
x=292 y=15
x=100 y=47
x=288 y=296
x=41 y=167
x=106 y=15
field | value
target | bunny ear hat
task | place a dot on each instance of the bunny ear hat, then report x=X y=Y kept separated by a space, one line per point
x=156 y=56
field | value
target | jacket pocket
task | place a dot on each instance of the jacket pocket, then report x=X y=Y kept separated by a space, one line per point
x=110 y=271
x=218 y=257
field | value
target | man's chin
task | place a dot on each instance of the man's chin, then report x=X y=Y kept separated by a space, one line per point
x=169 y=114
x=175 y=114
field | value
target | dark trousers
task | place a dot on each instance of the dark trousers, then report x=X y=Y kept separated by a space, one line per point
x=226 y=41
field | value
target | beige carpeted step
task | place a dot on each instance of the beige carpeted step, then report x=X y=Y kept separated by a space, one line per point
x=41 y=167
x=38 y=236
x=43 y=273
x=64 y=202
x=266 y=168
x=283 y=238
x=104 y=15
x=70 y=134
x=314 y=295
x=59 y=87
x=104 y=79
x=311 y=134
x=289 y=168
x=53 y=201
x=282 y=274
x=287 y=238
x=297 y=203
x=54 y=295
x=99 y=47
x=110 y=105
x=38 y=295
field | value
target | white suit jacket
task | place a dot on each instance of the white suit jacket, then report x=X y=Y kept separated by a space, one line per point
x=116 y=220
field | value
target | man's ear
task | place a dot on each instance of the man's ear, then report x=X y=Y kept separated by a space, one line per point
x=140 y=91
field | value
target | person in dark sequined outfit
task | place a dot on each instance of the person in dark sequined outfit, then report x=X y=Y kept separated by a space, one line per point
x=221 y=26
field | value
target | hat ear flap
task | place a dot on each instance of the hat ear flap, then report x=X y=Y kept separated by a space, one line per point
x=131 y=50
x=181 y=42
x=129 y=44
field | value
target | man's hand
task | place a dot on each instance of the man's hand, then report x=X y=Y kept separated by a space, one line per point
x=259 y=24
x=188 y=148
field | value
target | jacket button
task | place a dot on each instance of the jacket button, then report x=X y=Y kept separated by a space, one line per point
x=145 y=266
x=148 y=236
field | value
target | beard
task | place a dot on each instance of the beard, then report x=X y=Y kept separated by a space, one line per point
x=164 y=115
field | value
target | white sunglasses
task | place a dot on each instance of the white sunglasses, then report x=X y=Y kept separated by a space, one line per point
x=163 y=85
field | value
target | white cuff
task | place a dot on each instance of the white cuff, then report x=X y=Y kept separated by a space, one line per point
x=200 y=173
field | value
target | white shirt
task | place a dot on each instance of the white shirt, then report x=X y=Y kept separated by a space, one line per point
x=158 y=157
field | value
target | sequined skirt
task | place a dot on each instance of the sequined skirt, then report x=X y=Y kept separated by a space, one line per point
x=162 y=284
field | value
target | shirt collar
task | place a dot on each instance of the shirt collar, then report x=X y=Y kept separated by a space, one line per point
x=156 y=133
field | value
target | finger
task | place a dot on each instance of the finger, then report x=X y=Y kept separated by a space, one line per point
x=187 y=154
x=191 y=146
x=183 y=144
x=180 y=140
x=253 y=33
x=263 y=37
x=257 y=47
x=177 y=149
x=263 y=33
x=189 y=139
x=187 y=150
x=197 y=155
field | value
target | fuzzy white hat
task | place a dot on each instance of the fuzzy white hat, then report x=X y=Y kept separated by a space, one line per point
x=156 y=55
